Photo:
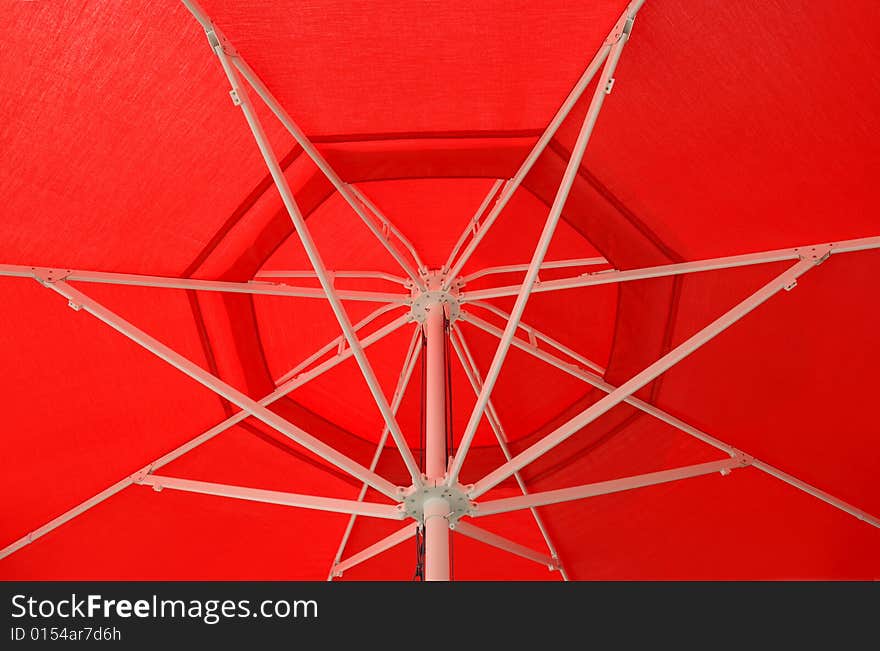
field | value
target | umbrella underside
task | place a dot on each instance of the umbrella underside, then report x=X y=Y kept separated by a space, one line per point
x=600 y=302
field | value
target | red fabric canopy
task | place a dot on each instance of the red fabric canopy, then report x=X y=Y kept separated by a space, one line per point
x=732 y=128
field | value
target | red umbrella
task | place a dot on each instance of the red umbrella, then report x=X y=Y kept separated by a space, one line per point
x=486 y=299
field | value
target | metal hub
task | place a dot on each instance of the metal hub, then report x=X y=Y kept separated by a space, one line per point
x=434 y=294
x=459 y=503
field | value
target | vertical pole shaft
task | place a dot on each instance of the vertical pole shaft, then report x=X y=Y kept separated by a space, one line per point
x=435 y=400
x=436 y=509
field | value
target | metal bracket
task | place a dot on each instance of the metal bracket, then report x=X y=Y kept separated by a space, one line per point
x=213 y=39
x=622 y=29
x=217 y=39
x=815 y=254
x=422 y=301
x=609 y=86
x=46 y=276
x=139 y=476
x=414 y=499
x=236 y=100
x=742 y=458
x=818 y=254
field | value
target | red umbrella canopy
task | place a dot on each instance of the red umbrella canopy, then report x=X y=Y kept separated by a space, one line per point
x=731 y=129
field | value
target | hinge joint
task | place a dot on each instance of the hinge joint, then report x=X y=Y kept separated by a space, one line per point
x=46 y=276
x=816 y=254
x=622 y=29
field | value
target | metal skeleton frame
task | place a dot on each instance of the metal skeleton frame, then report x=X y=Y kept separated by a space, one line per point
x=283 y=389
x=469 y=365
x=669 y=419
x=409 y=365
x=253 y=287
x=447 y=501
x=614 y=45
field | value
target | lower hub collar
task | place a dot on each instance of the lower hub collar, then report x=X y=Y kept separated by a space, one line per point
x=413 y=504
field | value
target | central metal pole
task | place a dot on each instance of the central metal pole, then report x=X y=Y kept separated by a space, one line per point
x=436 y=509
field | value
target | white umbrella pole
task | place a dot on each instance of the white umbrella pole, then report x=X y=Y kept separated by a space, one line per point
x=436 y=509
